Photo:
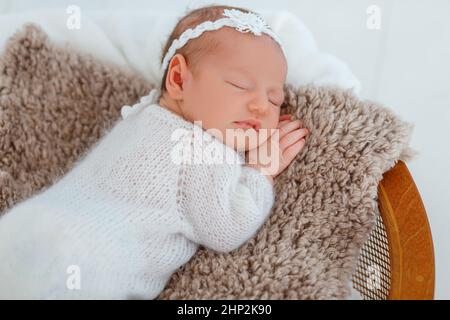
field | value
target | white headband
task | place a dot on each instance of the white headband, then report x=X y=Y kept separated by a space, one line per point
x=241 y=21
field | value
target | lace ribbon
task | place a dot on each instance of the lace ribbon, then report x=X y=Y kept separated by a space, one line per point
x=241 y=21
x=149 y=99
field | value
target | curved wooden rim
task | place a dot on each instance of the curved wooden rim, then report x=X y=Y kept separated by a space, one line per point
x=409 y=236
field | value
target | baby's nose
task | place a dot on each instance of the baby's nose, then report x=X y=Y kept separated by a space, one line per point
x=260 y=107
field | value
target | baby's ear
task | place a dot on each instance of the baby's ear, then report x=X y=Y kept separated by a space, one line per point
x=176 y=76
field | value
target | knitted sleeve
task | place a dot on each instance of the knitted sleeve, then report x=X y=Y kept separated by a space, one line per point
x=224 y=203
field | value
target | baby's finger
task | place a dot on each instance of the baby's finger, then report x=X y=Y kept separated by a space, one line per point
x=283 y=120
x=292 y=138
x=285 y=117
x=290 y=153
x=286 y=128
x=282 y=123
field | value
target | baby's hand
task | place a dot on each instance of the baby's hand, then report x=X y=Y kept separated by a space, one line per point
x=291 y=140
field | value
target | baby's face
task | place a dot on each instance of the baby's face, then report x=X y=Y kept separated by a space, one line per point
x=243 y=81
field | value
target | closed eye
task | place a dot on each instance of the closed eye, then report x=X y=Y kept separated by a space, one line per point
x=236 y=86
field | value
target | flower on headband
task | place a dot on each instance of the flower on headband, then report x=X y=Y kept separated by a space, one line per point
x=246 y=22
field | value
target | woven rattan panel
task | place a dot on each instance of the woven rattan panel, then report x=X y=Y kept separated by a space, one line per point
x=372 y=278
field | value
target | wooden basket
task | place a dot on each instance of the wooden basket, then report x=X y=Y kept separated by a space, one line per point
x=397 y=260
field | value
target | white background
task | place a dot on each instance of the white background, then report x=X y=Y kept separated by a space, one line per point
x=404 y=65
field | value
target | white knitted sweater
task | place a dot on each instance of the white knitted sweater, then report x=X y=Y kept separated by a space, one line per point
x=127 y=215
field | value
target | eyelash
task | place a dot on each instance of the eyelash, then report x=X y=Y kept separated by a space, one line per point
x=276 y=105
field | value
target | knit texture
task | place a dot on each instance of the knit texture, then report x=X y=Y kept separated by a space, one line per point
x=56 y=102
x=128 y=214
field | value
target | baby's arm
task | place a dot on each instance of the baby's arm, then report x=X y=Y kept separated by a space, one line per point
x=224 y=203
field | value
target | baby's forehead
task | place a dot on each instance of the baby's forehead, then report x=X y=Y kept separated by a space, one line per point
x=228 y=49
x=229 y=43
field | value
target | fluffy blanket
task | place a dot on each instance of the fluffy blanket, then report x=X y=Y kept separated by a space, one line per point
x=56 y=102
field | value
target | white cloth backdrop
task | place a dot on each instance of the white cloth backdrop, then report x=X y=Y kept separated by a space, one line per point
x=136 y=39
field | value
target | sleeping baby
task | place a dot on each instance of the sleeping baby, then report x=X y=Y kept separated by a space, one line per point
x=138 y=205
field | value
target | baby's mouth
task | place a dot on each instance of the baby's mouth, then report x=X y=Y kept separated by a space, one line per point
x=246 y=125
